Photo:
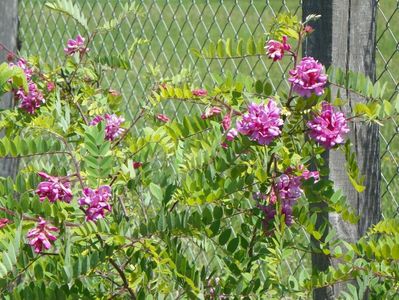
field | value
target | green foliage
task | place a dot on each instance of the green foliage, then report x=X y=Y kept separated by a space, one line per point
x=228 y=49
x=185 y=219
x=70 y=9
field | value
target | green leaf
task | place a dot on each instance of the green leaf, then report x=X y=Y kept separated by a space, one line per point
x=156 y=191
x=70 y=9
x=251 y=47
x=115 y=62
x=233 y=244
x=224 y=236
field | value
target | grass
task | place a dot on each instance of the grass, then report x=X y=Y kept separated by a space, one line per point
x=172 y=27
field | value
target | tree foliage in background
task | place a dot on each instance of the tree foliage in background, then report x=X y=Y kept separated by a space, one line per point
x=211 y=206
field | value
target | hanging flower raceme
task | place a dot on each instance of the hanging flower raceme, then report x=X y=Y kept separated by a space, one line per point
x=112 y=127
x=75 y=46
x=23 y=64
x=54 y=188
x=328 y=128
x=31 y=100
x=275 y=49
x=95 y=202
x=308 y=77
x=41 y=237
x=287 y=190
x=261 y=123
x=199 y=92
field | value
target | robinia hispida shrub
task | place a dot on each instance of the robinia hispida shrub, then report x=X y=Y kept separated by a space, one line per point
x=211 y=205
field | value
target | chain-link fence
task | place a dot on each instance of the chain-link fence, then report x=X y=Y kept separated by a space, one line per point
x=169 y=28
x=387 y=60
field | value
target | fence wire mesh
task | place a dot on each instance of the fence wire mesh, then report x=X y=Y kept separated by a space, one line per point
x=172 y=27
x=387 y=58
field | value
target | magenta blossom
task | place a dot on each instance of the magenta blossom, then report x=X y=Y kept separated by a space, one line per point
x=54 y=189
x=75 y=46
x=50 y=86
x=199 y=92
x=210 y=112
x=4 y=222
x=23 y=64
x=112 y=125
x=137 y=164
x=163 y=118
x=308 y=77
x=328 y=128
x=96 y=202
x=275 y=50
x=31 y=100
x=41 y=236
x=231 y=134
x=261 y=123
x=112 y=128
x=226 y=122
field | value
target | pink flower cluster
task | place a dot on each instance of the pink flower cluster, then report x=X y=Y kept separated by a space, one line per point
x=41 y=236
x=96 y=202
x=76 y=46
x=275 y=49
x=287 y=190
x=261 y=123
x=54 y=189
x=33 y=98
x=199 y=92
x=308 y=77
x=112 y=127
x=328 y=128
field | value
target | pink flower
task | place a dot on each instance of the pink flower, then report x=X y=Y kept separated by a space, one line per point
x=226 y=122
x=328 y=128
x=261 y=123
x=23 y=64
x=224 y=145
x=308 y=29
x=112 y=128
x=210 y=112
x=163 y=118
x=231 y=134
x=137 y=164
x=50 y=86
x=275 y=50
x=112 y=125
x=54 y=189
x=308 y=77
x=75 y=46
x=96 y=120
x=4 y=222
x=288 y=188
x=32 y=100
x=199 y=92
x=41 y=237
x=96 y=202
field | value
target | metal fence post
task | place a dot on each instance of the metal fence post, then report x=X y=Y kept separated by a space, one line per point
x=9 y=38
x=345 y=38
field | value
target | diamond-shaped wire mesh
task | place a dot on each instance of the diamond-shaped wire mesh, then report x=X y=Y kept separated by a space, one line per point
x=387 y=60
x=171 y=27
